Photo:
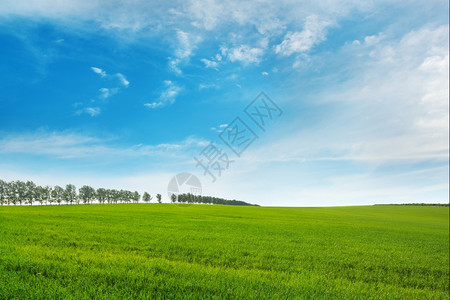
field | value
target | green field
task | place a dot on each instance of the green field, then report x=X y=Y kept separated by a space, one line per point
x=203 y=251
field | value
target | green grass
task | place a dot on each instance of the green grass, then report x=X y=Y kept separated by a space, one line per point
x=200 y=251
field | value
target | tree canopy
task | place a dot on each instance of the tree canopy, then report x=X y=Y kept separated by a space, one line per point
x=20 y=192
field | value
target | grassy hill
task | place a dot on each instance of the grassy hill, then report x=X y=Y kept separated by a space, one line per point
x=203 y=251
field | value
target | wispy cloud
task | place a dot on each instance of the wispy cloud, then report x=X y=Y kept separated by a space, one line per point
x=210 y=63
x=185 y=25
x=107 y=92
x=382 y=134
x=104 y=92
x=167 y=96
x=123 y=79
x=155 y=104
x=66 y=145
x=296 y=42
x=219 y=128
x=398 y=94
x=99 y=71
x=186 y=42
x=243 y=53
x=203 y=86
x=93 y=111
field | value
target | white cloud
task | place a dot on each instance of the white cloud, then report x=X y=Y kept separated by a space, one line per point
x=186 y=42
x=66 y=145
x=136 y=18
x=244 y=54
x=381 y=136
x=296 y=42
x=107 y=92
x=265 y=74
x=397 y=102
x=123 y=80
x=203 y=86
x=173 y=65
x=125 y=18
x=98 y=71
x=220 y=128
x=302 y=61
x=264 y=42
x=61 y=145
x=264 y=16
x=93 y=111
x=207 y=14
x=210 y=63
x=167 y=96
x=104 y=92
x=155 y=104
x=171 y=90
x=184 y=24
x=373 y=39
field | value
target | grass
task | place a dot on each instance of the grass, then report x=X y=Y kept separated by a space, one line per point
x=215 y=252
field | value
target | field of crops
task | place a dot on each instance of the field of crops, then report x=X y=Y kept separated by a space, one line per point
x=204 y=251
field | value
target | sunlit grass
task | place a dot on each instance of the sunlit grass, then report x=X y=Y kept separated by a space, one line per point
x=203 y=251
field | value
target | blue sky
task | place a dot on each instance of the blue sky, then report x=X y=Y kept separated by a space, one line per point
x=125 y=94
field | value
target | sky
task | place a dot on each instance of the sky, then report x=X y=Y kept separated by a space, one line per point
x=280 y=103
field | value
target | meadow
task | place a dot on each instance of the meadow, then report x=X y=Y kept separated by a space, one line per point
x=211 y=251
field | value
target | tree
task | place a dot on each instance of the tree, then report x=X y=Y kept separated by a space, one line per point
x=39 y=194
x=115 y=195
x=19 y=190
x=173 y=198
x=158 y=197
x=86 y=193
x=146 y=197
x=102 y=195
x=3 y=192
x=46 y=194
x=57 y=194
x=136 y=197
x=190 y=198
x=122 y=196
x=128 y=196
x=109 y=196
x=29 y=192
x=70 y=194
x=12 y=193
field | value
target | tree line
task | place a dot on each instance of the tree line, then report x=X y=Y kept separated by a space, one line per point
x=28 y=193
x=190 y=198
x=20 y=192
